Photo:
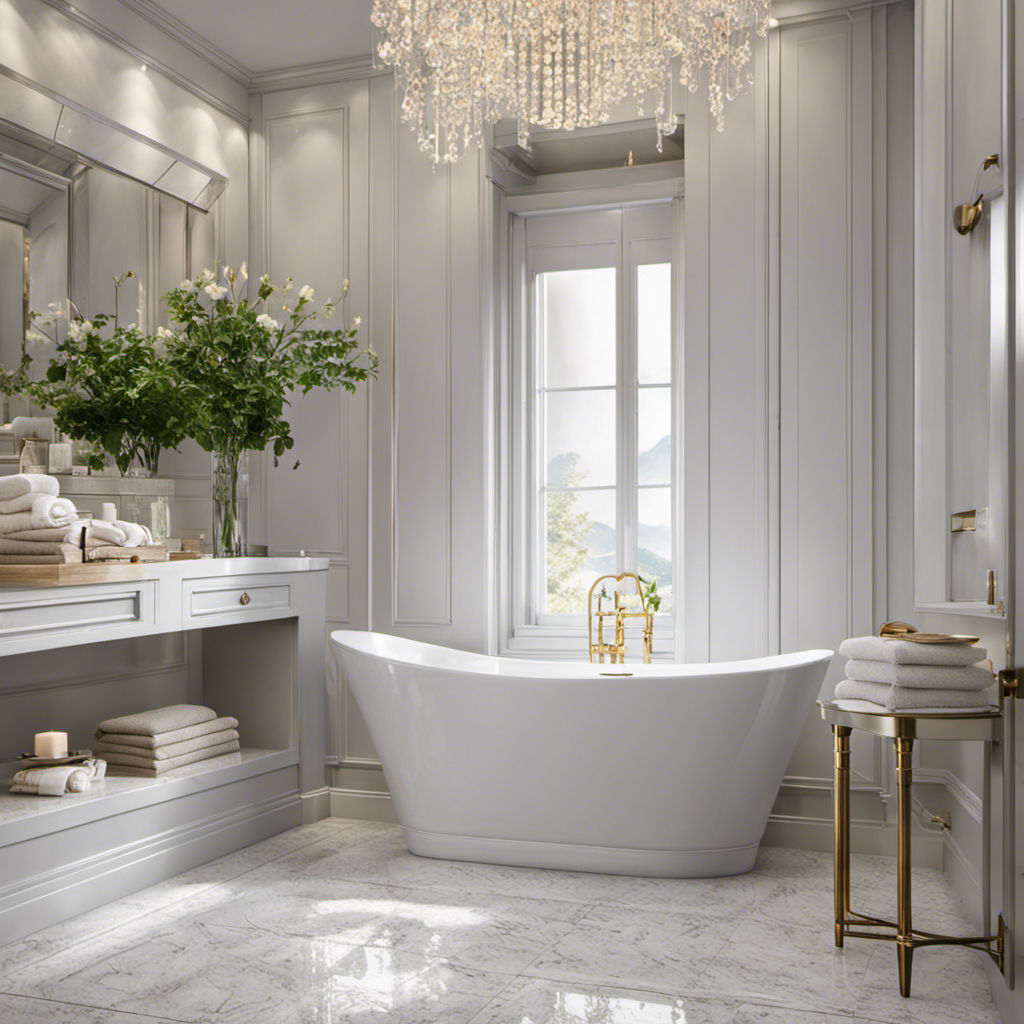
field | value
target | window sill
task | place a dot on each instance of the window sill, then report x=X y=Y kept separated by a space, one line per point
x=569 y=643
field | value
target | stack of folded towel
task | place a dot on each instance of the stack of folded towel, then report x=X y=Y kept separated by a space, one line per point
x=59 y=780
x=38 y=527
x=901 y=675
x=155 y=742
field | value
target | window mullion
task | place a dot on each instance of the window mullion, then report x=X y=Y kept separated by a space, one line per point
x=628 y=405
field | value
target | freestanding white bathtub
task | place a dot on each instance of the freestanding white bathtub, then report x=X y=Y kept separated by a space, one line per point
x=667 y=770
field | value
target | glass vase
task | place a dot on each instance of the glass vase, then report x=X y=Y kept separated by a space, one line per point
x=230 y=503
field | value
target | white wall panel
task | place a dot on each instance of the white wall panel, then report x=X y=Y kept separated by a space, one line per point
x=421 y=579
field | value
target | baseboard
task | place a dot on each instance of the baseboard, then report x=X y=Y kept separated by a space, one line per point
x=366 y=806
x=871 y=838
x=65 y=889
x=316 y=805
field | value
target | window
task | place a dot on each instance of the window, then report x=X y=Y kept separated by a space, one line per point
x=592 y=392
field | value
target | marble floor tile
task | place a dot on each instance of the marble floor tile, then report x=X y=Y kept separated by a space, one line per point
x=25 y=1010
x=500 y=934
x=338 y=922
x=536 y=1001
x=207 y=974
x=348 y=911
x=790 y=965
x=624 y=946
x=948 y=986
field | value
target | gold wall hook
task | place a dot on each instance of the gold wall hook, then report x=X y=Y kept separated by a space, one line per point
x=967 y=215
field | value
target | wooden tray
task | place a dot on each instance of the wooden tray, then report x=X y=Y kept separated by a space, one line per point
x=73 y=574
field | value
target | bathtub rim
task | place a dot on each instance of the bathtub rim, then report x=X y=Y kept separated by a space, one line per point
x=468 y=662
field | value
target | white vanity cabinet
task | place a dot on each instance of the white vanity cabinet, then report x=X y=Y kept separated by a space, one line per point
x=254 y=631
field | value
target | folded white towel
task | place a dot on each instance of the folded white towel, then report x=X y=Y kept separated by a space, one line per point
x=851 y=704
x=27 y=483
x=905 y=698
x=47 y=511
x=903 y=652
x=932 y=677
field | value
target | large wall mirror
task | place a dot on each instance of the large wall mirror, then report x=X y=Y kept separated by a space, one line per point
x=962 y=289
x=72 y=219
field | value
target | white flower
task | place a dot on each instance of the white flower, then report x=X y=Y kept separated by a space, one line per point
x=78 y=329
x=287 y=286
x=188 y=287
x=344 y=288
x=164 y=333
x=215 y=291
x=268 y=323
x=207 y=277
x=306 y=293
x=35 y=340
x=265 y=280
x=243 y=271
x=355 y=323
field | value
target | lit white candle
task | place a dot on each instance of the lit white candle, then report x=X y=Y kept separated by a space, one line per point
x=51 y=744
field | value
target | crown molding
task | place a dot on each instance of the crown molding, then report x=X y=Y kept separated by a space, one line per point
x=101 y=30
x=190 y=39
x=323 y=73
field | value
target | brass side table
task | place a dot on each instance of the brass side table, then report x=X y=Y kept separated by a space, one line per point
x=903 y=728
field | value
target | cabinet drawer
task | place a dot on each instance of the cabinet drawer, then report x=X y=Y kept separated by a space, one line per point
x=107 y=612
x=235 y=601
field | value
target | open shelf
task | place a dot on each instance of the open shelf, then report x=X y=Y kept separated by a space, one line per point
x=24 y=816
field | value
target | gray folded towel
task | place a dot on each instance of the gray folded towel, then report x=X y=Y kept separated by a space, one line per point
x=128 y=764
x=67 y=555
x=932 y=677
x=168 y=750
x=160 y=740
x=904 y=652
x=907 y=698
x=151 y=723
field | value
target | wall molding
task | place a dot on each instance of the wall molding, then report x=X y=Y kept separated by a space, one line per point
x=362 y=805
x=100 y=30
x=326 y=72
x=190 y=39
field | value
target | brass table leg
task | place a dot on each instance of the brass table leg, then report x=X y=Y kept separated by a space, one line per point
x=904 y=929
x=841 y=827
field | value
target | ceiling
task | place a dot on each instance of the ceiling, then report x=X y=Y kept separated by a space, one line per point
x=276 y=34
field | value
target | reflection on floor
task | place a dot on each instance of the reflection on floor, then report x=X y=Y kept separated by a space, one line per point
x=337 y=922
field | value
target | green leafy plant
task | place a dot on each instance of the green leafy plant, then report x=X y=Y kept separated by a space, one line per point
x=113 y=386
x=649 y=594
x=237 y=366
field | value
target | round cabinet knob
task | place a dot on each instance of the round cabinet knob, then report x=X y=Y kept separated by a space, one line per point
x=245 y=599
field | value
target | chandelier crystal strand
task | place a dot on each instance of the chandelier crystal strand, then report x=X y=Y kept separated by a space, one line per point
x=463 y=64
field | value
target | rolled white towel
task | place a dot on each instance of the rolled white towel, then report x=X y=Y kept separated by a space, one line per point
x=116 y=534
x=931 y=677
x=904 y=652
x=908 y=698
x=33 y=426
x=96 y=530
x=47 y=511
x=55 y=781
x=135 y=534
x=27 y=483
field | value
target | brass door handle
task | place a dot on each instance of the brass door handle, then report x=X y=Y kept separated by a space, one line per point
x=244 y=599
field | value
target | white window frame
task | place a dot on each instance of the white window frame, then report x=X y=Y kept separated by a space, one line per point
x=521 y=631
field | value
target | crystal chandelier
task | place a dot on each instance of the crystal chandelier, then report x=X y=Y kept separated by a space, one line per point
x=558 y=63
